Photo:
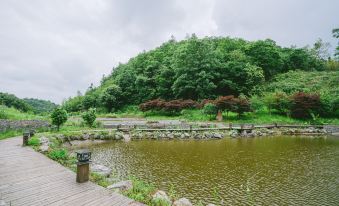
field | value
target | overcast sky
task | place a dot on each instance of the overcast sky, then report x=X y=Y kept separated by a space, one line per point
x=49 y=49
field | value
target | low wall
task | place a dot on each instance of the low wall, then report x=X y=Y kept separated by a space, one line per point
x=184 y=134
x=22 y=124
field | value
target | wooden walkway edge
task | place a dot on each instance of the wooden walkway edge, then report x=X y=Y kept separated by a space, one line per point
x=29 y=178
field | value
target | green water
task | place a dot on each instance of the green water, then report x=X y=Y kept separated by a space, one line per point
x=256 y=171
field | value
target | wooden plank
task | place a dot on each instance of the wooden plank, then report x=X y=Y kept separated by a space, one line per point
x=30 y=178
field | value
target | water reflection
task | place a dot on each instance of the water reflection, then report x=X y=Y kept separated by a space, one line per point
x=265 y=171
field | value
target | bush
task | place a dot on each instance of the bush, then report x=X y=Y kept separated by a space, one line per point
x=3 y=114
x=141 y=191
x=241 y=105
x=34 y=141
x=204 y=102
x=257 y=103
x=59 y=117
x=173 y=106
x=89 y=117
x=211 y=110
x=225 y=103
x=60 y=155
x=281 y=103
x=304 y=105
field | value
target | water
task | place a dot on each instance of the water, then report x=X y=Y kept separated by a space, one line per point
x=260 y=171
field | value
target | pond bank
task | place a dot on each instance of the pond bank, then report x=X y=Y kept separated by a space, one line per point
x=132 y=133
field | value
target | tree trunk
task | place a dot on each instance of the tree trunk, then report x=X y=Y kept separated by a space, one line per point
x=219 y=116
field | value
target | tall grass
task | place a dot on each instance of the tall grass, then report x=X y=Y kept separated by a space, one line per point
x=14 y=114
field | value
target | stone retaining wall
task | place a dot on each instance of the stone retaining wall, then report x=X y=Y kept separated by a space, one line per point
x=22 y=124
x=163 y=134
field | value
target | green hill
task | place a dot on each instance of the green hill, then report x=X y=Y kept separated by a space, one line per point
x=196 y=69
x=326 y=83
x=40 y=106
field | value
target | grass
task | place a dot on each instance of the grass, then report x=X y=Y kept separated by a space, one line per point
x=14 y=114
x=33 y=141
x=10 y=133
x=141 y=191
x=261 y=117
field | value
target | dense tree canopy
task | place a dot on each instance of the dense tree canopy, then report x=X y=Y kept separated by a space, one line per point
x=40 y=106
x=196 y=69
x=11 y=100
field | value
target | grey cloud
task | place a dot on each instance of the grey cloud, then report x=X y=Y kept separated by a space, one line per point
x=50 y=49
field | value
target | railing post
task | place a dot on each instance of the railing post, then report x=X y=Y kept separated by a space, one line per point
x=83 y=157
x=25 y=137
x=230 y=125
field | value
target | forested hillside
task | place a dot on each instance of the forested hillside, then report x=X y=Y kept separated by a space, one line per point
x=40 y=106
x=198 y=69
x=10 y=100
x=36 y=106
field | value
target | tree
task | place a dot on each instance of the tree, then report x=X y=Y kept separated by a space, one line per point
x=320 y=49
x=111 y=98
x=241 y=105
x=305 y=105
x=11 y=100
x=266 y=55
x=89 y=117
x=211 y=110
x=335 y=33
x=59 y=117
x=281 y=103
x=225 y=103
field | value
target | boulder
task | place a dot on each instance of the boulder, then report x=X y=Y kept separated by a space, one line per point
x=217 y=135
x=182 y=202
x=211 y=204
x=160 y=195
x=187 y=135
x=101 y=170
x=43 y=148
x=122 y=186
x=44 y=140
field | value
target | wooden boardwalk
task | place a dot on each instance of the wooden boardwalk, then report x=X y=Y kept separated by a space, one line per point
x=29 y=178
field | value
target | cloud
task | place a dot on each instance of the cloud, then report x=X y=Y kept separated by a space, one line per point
x=51 y=49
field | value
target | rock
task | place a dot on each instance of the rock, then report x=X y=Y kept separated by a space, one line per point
x=211 y=205
x=43 y=148
x=234 y=133
x=85 y=136
x=171 y=136
x=182 y=202
x=162 y=196
x=44 y=140
x=217 y=135
x=102 y=170
x=122 y=186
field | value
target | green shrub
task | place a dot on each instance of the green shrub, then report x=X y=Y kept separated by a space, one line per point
x=60 y=155
x=141 y=191
x=3 y=114
x=33 y=141
x=99 y=179
x=257 y=103
x=211 y=110
x=59 y=117
x=281 y=103
x=89 y=117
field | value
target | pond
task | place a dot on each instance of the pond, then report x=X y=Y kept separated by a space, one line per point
x=261 y=171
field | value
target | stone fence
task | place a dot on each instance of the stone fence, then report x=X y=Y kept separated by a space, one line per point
x=22 y=124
